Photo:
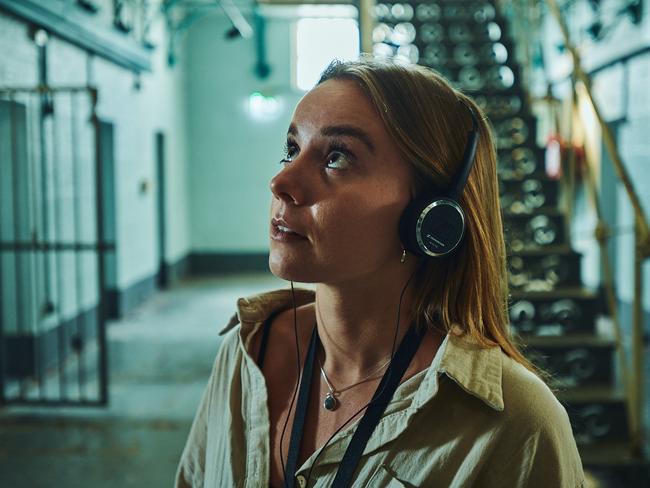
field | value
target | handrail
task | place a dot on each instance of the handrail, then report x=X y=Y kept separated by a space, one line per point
x=608 y=138
x=366 y=24
x=642 y=241
x=602 y=235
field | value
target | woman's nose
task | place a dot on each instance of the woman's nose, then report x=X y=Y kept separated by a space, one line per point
x=290 y=185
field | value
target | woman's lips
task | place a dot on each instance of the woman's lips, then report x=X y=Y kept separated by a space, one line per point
x=281 y=232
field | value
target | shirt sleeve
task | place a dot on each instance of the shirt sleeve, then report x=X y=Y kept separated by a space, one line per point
x=550 y=458
x=191 y=468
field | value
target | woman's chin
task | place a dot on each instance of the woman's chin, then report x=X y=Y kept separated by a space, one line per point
x=290 y=270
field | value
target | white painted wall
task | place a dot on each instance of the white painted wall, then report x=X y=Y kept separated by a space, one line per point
x=138 y=115
x=233 y=156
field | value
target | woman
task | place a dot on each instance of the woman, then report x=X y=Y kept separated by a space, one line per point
x=395 y=330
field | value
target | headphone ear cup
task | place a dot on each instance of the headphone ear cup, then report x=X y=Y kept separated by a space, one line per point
x=432 y=226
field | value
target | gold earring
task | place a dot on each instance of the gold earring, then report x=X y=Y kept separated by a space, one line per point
x=403 y=256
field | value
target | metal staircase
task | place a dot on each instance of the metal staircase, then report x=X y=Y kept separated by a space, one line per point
x=550 y=309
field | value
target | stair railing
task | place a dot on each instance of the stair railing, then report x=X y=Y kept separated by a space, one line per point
x=641 y=240
x=602 y=235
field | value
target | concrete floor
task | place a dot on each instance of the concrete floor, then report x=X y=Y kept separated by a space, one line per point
x=160 y=358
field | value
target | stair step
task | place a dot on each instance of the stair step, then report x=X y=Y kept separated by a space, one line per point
x=552 y=267
x=446 y=12
x=454 y=65
x=614 y=465
x=520 y=162
x=562 y=312
x=597 y=413
x=573 y=292
x=564 y=249
x=591 y=394
x=515 y=154
x=568 y=341
x=528 y=195
x=548 y=210
x=581 y=361
x=609 y=454
x=501 y=107
x=537 y=175
x=541 y=229
x=482 y=53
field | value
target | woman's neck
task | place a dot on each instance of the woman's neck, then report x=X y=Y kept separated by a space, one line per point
x=356 y=322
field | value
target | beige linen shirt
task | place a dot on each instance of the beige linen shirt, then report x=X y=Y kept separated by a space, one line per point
x=475 y=417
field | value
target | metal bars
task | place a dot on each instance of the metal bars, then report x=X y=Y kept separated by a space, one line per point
x=52 y=321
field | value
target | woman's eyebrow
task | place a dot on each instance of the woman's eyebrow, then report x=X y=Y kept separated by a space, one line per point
x=351 y=131
x=342 y=130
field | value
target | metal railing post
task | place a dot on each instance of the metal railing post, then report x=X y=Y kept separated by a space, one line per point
x=366 y=24
x=641 y=236
x=637 y=339
x=602 y=235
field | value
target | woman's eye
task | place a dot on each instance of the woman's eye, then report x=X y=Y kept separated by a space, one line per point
x=290 y=151
x=337 y=160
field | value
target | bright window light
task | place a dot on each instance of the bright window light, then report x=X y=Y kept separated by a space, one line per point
x=318 y=42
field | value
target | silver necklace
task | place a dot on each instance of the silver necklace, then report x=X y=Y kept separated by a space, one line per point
x=331 y=401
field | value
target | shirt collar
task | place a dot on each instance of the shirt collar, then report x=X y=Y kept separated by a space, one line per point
x=476 y=369
x=255 y=309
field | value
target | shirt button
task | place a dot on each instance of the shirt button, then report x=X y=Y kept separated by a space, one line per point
x=301 y=481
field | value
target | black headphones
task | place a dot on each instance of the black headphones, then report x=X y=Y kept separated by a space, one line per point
x=434 y=224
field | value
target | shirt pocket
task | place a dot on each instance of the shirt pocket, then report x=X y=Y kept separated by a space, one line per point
x=384 y=478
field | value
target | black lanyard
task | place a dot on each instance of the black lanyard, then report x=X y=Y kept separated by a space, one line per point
x=368 y=422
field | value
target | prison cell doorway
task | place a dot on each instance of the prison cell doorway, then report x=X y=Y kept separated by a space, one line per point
x=52 y=248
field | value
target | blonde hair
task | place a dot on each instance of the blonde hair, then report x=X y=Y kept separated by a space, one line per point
x=420 y=109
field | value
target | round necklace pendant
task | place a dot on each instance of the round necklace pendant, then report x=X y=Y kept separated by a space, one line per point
x=330 y=402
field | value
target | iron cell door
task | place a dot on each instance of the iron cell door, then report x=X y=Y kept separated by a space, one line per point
x=52 y=247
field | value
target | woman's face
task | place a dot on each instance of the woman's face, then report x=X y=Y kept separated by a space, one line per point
x=343 y=186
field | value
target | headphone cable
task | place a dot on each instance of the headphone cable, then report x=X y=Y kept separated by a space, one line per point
x=399 y=307
x=295 y=390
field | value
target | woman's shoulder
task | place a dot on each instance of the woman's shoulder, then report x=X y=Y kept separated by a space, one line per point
x=244 y=330
x=525 y=389
x=253 y=310
x=536 y=446
x=281 y=341
x=530 y=404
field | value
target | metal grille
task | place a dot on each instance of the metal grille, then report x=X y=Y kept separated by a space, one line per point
x=52 y=325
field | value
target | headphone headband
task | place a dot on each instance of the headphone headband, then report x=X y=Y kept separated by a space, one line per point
x=457 y=185
x=434 y=223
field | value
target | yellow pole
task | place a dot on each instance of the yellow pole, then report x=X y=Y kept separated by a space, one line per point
x=637 y=339
x=641 y=235
x=608 y=138
x=602 y=236
x=366 y=24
